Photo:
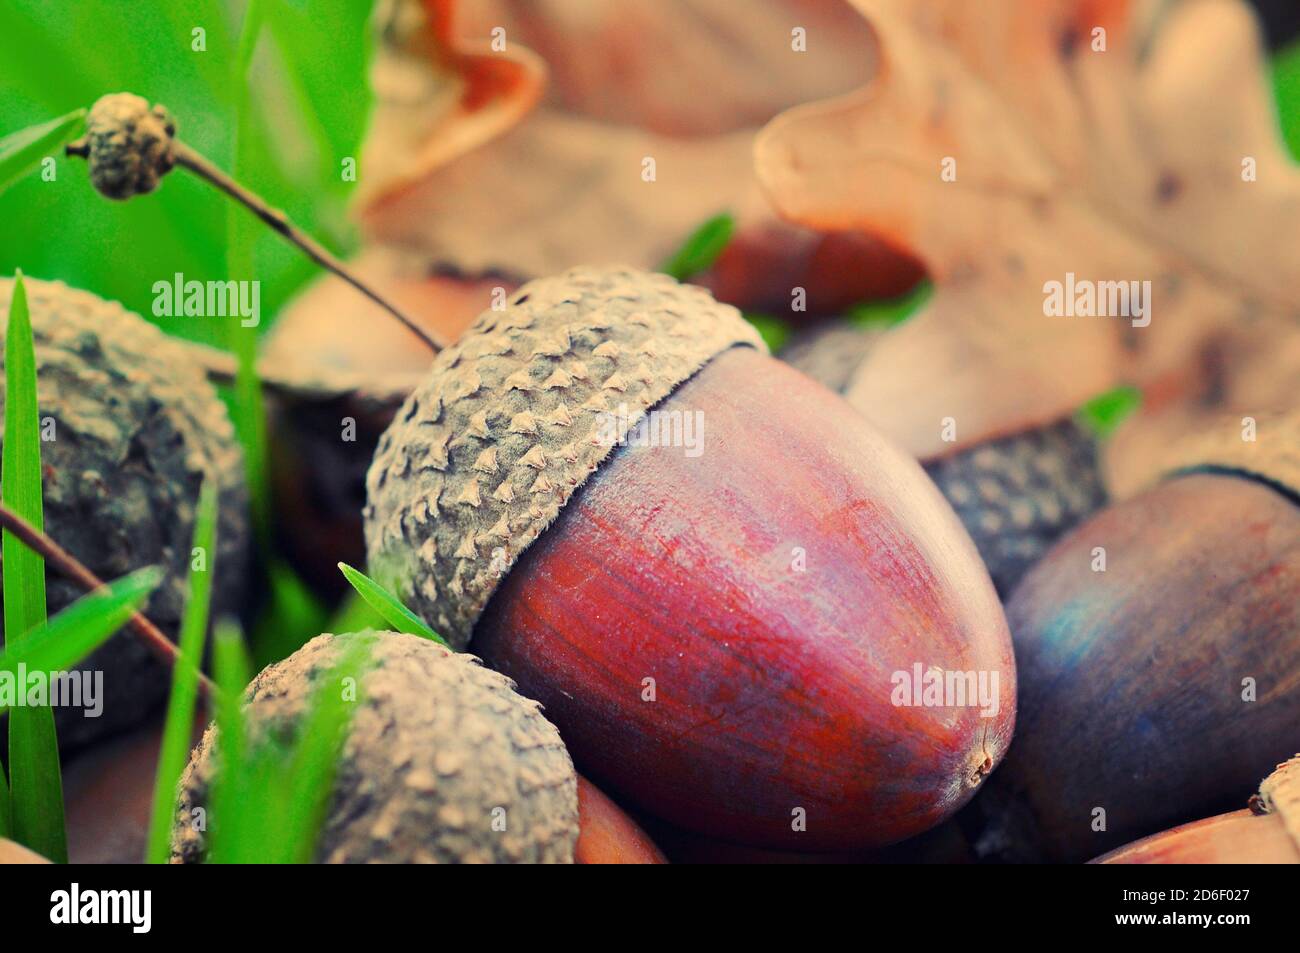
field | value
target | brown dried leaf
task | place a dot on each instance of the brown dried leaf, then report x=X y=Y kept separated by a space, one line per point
x=1117 y=165
x=685 y=82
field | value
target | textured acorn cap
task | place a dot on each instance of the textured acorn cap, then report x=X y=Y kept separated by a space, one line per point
x=136 y=429
x=440 y=755
x=516 y=416
x=1279 y=794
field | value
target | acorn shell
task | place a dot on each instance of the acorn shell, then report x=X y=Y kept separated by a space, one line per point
x=1015 y=495
x=439 y=753
x=516 y=416
x=136 y=428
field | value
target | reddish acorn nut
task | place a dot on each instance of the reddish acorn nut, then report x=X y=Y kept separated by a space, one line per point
x=130 y=430
x=724 y=608
x=1268 y=833
x=1015 y=495
x=606 y=835
x=1158 y=648
x=12 y=853
x=443 y=763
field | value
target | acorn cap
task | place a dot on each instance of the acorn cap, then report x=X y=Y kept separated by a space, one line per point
x=516 y=416
x=1279 y=794
x=131 y=428
x=1272 y=457
x=443 y=762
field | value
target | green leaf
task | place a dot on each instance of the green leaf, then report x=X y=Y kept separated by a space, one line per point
x=890 y=311
x=79 y=629
x=231 y=787
x=701 y=250
x=310 y=781
x=388 y=605
x=23 y=150
x=35 y=784
x=179 y=727
x=1103 y=414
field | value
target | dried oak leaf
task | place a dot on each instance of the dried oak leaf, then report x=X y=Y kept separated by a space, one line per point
x=1104 y=138
x=686 y=83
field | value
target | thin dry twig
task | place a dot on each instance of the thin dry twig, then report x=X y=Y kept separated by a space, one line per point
x=67 y=565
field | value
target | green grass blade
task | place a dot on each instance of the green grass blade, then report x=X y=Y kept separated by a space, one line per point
x=310 y=781
x=226 y=833
x=701 y=250
x=79 y=629
x=179 y=726
x=292 y=615
x=22 y=151
x=890 y=311
x=388 y=605
x=4 y=802
x=1103 y=414
x=35 y=784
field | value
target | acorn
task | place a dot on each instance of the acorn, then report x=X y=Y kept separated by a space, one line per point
x=131 y=429
x=717 y=628
x=1015 y=494
x=443 y=762
x=14 y=853
x=1268 y=833
x=1158 y=648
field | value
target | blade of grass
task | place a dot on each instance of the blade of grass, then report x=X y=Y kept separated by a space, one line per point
x=388 y=605
x=890 y=311
x=230 y=662
x=702 y=248
x=4 y=802
x=310 y=781
x=80 y=628
x=22 y=151
x=179 y=726
x=1103 y=414
x=35 y=784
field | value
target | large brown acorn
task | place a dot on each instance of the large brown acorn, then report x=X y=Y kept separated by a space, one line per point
x=1016 y=494
x=1267 y=833
x=1158 y=652
x=719 y=627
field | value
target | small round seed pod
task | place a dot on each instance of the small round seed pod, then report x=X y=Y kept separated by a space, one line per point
x=1015 y=494
x=1158 y=648
x=130 y=428
x=443 y=763
x=1268 y=833
x=716 y=621
x=128 y=145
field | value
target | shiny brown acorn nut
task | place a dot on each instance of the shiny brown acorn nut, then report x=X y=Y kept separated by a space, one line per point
x=1153 y=688
x=1268 y=833
x=440 y=751
x=130 y=431
x=657 y=602
x=1015 y=494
